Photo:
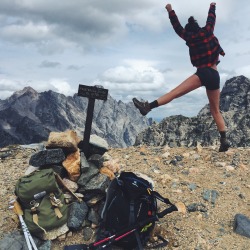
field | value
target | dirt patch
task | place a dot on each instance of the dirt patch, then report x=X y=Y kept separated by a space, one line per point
x=214 y=187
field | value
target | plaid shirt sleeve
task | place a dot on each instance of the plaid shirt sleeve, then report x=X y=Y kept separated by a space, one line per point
x=177 y=26
x=204 y=47
x=211 y=19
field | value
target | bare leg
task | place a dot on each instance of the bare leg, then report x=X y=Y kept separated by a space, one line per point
x=191 y=83
x=214 y=101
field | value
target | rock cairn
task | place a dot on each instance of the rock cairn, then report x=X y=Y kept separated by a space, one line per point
x=87 y=178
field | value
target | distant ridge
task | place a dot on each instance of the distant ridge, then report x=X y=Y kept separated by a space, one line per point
x=28 y=117
x=183 y=131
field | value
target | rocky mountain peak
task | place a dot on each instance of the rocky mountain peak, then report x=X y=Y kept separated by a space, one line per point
x=25 y=91
x=235 y=94
x=21 y=98
x=184 y=131
x=28 y=117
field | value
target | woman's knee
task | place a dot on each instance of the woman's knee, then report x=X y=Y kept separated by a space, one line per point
x=215 y=112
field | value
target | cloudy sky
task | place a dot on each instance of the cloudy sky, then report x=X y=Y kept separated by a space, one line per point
x=129 y=47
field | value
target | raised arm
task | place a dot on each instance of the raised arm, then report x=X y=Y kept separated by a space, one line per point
x=211 y=18
x=175 y=22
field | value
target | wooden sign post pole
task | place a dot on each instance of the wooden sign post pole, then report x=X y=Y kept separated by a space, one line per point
x=92 y=93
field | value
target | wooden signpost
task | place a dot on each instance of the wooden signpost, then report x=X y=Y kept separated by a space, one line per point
x=92 y=93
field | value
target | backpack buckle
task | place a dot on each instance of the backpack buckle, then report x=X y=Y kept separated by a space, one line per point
x=149 y=191
x=34 y=205
x=55 y=202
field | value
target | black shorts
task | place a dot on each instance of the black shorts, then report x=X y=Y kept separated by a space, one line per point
x=209 y=77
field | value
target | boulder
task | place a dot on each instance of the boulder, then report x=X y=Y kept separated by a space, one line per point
x=67 y=140
x=72 y=165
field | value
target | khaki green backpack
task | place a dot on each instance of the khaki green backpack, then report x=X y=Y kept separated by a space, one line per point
x=42 y=201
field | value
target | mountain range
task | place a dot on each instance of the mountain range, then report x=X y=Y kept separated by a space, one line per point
x=184 y=131
x=28 y=117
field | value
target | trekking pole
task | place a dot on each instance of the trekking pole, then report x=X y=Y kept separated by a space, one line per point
x=113 y=238
x=119 y=237
x=122 y=234
x=29 y=240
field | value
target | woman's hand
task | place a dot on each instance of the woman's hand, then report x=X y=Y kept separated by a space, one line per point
x=168 y=7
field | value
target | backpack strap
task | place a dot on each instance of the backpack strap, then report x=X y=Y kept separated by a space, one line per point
x=160 y=245
x=132 y=222
x=56 y=204
x=160 y=197
x=168 y=210
x=131 y=212
x=112 y=189
x=34 y=211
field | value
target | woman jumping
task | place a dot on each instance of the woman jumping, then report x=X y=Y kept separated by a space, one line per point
x=204 y=51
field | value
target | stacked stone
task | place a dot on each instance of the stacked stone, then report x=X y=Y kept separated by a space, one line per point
x=88 y=178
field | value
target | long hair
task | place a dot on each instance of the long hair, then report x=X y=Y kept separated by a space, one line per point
x=192 y=25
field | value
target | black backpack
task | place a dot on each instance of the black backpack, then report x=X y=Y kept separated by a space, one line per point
x=130 y=212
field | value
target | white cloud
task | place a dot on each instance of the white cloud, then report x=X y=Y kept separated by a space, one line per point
x=245 y=71
x=8 y=87
x=62 y=86
x=129 y=47
x=135 y=77
x=26 y=32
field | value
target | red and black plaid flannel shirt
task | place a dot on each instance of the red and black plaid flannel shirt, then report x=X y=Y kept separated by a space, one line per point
x=204 y=47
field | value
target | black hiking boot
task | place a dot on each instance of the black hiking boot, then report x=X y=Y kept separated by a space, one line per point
x=142 y=106
x=224 y=145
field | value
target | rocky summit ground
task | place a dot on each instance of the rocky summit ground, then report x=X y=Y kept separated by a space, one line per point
x=213 y=186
